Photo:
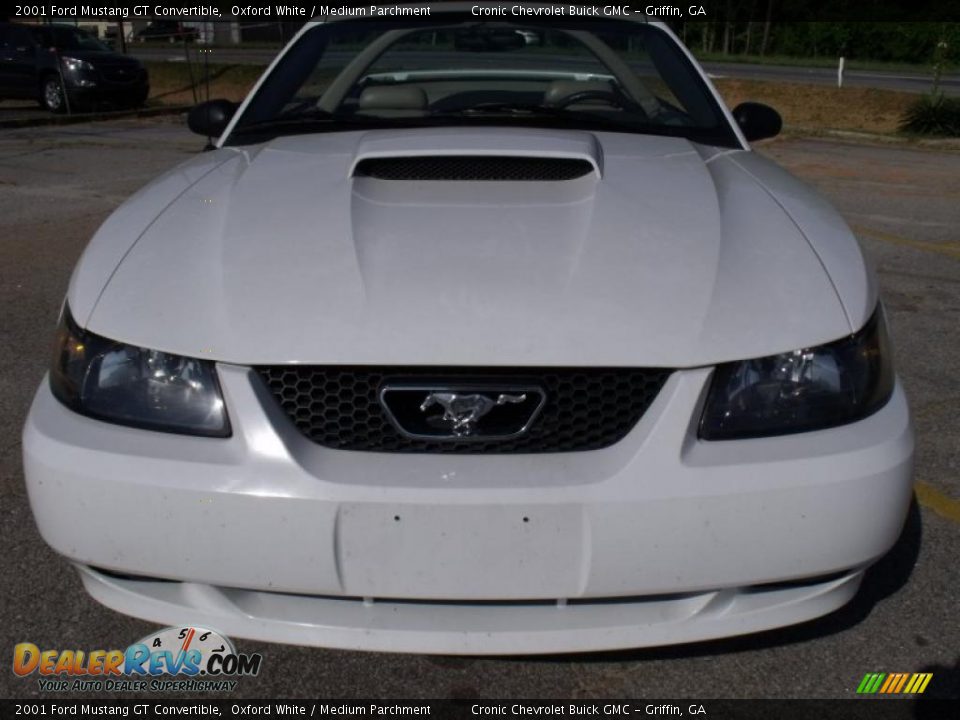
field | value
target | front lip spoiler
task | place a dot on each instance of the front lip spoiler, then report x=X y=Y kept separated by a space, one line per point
x=490 y=628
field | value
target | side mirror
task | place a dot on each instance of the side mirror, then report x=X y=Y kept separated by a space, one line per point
x=211 y=118
x=757 y=121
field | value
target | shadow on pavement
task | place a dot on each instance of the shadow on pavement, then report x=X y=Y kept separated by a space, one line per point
x=944 y=685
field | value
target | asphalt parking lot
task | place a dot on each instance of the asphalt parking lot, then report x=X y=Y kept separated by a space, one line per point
x=57 y=184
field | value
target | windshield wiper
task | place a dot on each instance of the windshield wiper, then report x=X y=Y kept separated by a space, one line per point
x=307 y=122
x=513 y=108
x=520 y=111
x=315 y=120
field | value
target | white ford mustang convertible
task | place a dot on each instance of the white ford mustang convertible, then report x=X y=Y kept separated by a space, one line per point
x=473 y=335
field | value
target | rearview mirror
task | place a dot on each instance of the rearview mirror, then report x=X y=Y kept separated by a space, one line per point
x=211 y=118
x=757 y=121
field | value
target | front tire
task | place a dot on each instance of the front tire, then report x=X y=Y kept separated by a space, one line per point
x=140 y=100
x=52 y=95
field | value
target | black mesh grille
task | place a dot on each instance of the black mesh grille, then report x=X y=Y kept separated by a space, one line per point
x=585 y=408
x=472 y=167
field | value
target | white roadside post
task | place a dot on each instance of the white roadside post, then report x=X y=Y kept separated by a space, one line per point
x=840 y=73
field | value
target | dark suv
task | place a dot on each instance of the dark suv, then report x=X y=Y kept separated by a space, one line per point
x=167 y=31
x=42 y=61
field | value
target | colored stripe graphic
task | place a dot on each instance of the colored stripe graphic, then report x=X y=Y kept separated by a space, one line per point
x=870 y=683
x=894 y=683
x=918 y=683
x=903 y=681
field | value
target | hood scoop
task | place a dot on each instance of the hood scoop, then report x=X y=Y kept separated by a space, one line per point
x=477 y=154
x=473 y=168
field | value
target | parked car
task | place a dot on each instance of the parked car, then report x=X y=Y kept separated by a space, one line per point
x=113 y=39
x=42 y=61
x=497 y=349
x=167 y=31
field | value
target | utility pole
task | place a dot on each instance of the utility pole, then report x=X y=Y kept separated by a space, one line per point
x=764 y=43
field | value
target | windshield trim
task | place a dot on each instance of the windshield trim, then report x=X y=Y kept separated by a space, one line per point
x=256 y=136
x=725 y=134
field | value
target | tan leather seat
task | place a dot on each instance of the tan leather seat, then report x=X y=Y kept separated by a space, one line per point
x=394 y=100
x=560 y=90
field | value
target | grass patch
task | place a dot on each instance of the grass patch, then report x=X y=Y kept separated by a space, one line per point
x=933 y=115
x=822 y=107
x=816 y=62
x=171 y=83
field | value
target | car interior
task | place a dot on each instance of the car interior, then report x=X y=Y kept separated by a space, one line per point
x=494 y=70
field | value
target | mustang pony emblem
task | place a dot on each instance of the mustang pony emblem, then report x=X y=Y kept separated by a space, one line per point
x=461 y=412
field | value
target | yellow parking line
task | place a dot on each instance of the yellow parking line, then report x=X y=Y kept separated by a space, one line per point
x=950 y=249
x=943 y=505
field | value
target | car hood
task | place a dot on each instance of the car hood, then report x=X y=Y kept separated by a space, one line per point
x=665 y=253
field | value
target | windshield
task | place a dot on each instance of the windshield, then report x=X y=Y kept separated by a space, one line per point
x=450 y=69
x=68 y=38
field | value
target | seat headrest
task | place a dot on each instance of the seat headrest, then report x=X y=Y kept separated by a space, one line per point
x=560 y=89
x=404 y=97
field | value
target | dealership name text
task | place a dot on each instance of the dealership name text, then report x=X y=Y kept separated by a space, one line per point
x=303 y=11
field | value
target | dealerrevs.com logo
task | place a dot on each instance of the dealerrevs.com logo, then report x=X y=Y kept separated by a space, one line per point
x=176 y=659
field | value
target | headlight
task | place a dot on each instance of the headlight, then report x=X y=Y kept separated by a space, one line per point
x=808 y=389
x=135 y=386
x=75 y=64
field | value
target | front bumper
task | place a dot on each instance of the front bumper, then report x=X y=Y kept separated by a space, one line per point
x=660 y=538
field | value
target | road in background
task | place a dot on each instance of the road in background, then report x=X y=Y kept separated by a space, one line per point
x=57 y=185
x=882 y=79
x=904 y=82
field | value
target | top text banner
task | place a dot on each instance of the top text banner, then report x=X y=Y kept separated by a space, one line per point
x=706 y=10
